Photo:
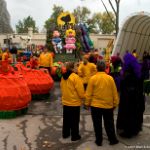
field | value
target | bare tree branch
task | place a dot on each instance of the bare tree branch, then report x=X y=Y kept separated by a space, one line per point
x=108 y=12
x=112 y=7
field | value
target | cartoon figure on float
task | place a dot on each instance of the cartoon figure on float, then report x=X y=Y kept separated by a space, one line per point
x=70 y=41
x=56 y=41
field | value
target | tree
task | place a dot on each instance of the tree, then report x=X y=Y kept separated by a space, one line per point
x=81 y=14
x=51 y=24
x=22 y=26
x=52 y=21
x=107 y=27
x=116 y=13
x=97 y=20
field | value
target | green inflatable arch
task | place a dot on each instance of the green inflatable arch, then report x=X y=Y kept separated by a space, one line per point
x=134 y=34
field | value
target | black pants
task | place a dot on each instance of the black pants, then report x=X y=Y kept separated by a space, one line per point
x=107 y=114
x=71 y=118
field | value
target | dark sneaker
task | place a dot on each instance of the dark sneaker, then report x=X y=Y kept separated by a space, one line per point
x=114 y=142
x=76 y=138
x=98 y=143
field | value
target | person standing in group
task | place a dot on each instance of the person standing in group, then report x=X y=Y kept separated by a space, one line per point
x=14 y=51
x=132 y=103
x=86 y=70
x=6 y=56
x=46 y=59
x=72 y=94
x=102 y=97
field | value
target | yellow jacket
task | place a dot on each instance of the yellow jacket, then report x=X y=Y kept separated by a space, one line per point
x=46 y=60
x=101 y=91
x=72 y=90
x=86 y=71
x=6 y=56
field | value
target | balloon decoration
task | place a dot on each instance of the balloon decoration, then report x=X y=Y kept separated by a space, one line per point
x=65 y=18
x=70 y=41
x=56 y=41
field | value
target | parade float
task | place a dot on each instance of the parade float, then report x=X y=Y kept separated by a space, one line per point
x=38 y=80
x=15 y=94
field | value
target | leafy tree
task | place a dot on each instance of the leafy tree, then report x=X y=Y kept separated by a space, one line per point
x=116 y=8
x=91 y=26
x=97 y=17
x=81 y=14
x=52 y=21
x=107 y=27
x=22 y=26
x=103 y=22
x=51 y=25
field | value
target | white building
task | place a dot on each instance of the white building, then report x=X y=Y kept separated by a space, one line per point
x=23 y=40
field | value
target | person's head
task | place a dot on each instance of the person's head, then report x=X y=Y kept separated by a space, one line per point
x=85 y=59
x=134 y=51
x=101 y=65
x=45 y=49
x=70 y=66
x=91 y=58
x=69 y=70
x=6 y=50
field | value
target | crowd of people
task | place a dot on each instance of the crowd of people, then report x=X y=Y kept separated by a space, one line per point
x=100 y=87
x=101 y=93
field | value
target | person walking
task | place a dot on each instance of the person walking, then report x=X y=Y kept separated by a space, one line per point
x=72 y=94
x=102 y=97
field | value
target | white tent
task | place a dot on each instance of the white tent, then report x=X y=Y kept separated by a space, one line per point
x=134 y=34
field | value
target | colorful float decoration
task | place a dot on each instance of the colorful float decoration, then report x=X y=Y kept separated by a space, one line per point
x=57 y=70
x=57 y=42
x=70 y=41
x=109 y=50
x=65 y=18
x=15 y=95
x=39 y=81
x=85 y=38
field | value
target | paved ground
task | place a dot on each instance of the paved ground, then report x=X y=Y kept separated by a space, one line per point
x=40 y=129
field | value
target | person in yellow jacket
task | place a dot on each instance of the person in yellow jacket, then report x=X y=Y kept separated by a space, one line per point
x=86 y=70
x=46 y=59
x=6 y=56
x=102 y=97
x=72 y=94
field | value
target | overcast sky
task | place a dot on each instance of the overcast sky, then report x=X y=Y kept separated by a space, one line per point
x=40 y=10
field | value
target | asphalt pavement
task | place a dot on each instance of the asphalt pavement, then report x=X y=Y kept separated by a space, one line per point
x=40 y=129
